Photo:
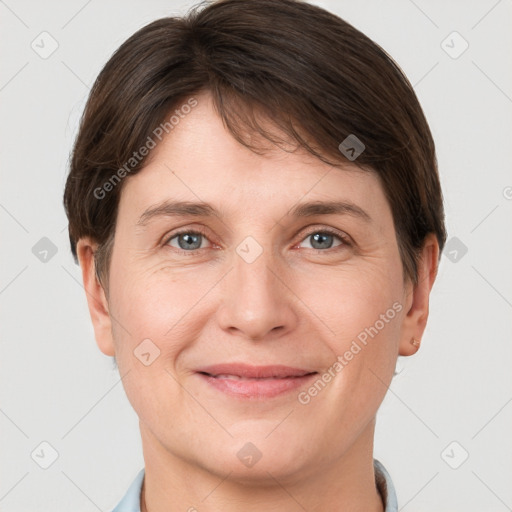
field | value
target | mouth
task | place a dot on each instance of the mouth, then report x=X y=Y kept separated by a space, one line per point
x=238 y=377
x=254 y=382
x=246 y=371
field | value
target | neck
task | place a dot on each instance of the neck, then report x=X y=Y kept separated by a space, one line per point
x=174 y=484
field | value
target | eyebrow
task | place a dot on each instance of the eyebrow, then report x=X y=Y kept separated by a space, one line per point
x=177 y=209
x=200 y=209
x=329 y=208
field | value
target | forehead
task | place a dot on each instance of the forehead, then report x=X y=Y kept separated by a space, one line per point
x=200 y=160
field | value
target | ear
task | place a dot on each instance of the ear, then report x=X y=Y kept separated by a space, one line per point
x=96 y=298
x=417 y=295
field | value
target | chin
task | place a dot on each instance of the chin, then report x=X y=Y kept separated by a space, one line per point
x=254 y=459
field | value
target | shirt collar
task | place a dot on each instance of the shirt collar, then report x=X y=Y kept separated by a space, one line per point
x=131 y=500
x=385 y=487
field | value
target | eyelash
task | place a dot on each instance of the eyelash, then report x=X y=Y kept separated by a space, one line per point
x=343 y=238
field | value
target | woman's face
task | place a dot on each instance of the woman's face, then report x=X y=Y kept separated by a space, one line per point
x=268 y=281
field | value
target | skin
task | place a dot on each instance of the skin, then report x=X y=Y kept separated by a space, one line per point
x=293 y=305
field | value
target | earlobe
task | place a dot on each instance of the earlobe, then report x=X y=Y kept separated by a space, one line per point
x=414 y=346
x=415 y=321
x=96 y=298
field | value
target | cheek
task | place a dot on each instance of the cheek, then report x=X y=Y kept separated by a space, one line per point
x=360 y=316
x=151 y=301
x=155 y=305
x=149 y=333
x=349 y=301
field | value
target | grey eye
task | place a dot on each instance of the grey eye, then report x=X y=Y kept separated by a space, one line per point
x=322 y=240
x=187 y=241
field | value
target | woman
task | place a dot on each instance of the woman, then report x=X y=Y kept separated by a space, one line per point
x=255 y=205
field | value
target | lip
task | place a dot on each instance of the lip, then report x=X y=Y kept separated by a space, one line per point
x=254 y=382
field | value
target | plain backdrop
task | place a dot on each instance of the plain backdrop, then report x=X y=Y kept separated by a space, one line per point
x=443 y=431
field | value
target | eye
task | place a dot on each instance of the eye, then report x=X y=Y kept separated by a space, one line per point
x=319 y=239
x=324 y=239
x=187 y=240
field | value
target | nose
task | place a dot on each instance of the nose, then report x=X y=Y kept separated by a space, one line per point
x=257 y=301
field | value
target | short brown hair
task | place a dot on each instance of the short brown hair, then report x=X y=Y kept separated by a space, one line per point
x=315 y=76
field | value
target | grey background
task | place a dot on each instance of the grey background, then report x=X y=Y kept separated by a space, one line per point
x=56 y=386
